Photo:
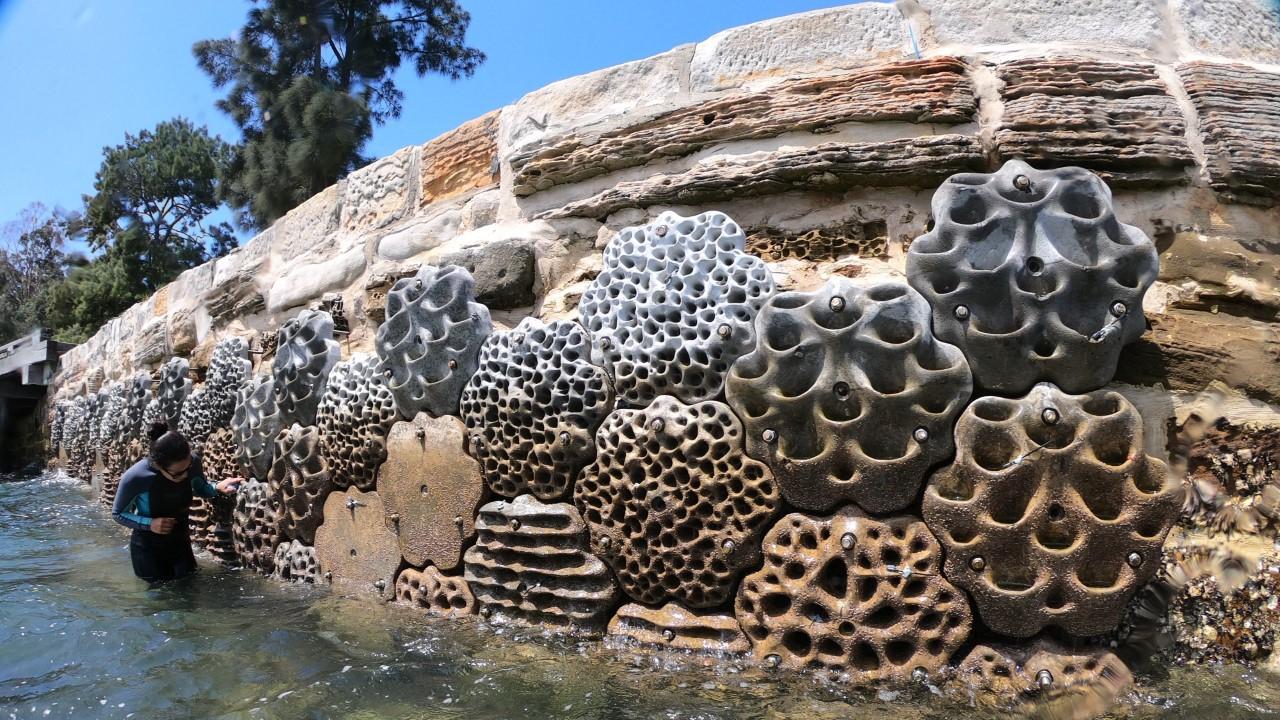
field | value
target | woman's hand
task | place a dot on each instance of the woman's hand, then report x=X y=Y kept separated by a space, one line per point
x=229 y=486
x=162 y=526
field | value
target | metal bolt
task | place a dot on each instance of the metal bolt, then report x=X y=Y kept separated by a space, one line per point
x=453 y=364
x=387 y=372
x=457 y=520
x=423 y=489
x=728 y=545
x=605 y=343
x=1119 y=309
x=724 y=331
x=962 y=312
x=564 y=437
x=921 y=434
x=836 y=304
x=395 y=518
x=515 y=523
x=1023 y=183
x=978 y=563
x=769 y=435
x=352 y=503
x=328 y=576
x=841 y=389
x=846 y=541
x=517 y=339
x=1135 y=560
x=1044 y=678
x=486 y=611
x=798 y=353
x=920 y=675
x=657 y=424
x=772 y=661
x=380 y=584
x=422 y=433
x=660 y=231
x=668 y=635
x=606 y=541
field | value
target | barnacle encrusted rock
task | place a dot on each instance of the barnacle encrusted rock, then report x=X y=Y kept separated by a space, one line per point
x=305 y=354
x=1041 y=673
x=853 y=594
x=848 y=396
x=296 y=562
x=673 y=307
x=228 y=369
x=429 y=344
x=354 y=416
x=139 y=395
x=172 y=390
x=533 y=406
x=531 y=564
x=678 y=628
x=438 y=593
x=1052 y=514
x=354 y=545
x=673 y=503
x=1030 y=273
x=256 y=527
x=255 y=424
x=431 y=489
x=301 y=480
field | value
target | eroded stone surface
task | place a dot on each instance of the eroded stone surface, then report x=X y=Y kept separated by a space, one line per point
x=848 y=396
x=906 y=162
x=673 y=503
x=1116 y=119
x=354 y=545
x=461 y=160
x=256 y=529
x=673 y=307
x=301 y=480
x=531 y=564
x=853 y=594
x=354 y=416
x=305 y=354
x=431 y=489
x=255 y=424
x=435 y=592
x=1032 y=276
x=673 y=627
x=1238 y=107
x=172 y=390
x=1127 y=24
x=429 y=345
x=533 y=406
x=1052 y=514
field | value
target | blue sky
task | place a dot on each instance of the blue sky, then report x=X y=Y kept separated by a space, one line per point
x=76 y=75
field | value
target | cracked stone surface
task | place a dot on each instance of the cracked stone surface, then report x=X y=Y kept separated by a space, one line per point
x=848 y=396
x=533 y=406
x=1052 y=514
x=674 y=306
x=1032 y=276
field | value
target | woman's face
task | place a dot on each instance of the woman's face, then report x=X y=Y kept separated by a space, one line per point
x=178 y=470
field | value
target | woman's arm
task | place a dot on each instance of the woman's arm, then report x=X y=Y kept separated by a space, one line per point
x=132 y=505
x=201 y=486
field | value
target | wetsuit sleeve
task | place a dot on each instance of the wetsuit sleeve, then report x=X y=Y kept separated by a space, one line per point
x=199 y=484
x=132 y=506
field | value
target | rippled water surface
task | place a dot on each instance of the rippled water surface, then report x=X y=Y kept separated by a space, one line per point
x=81 y=637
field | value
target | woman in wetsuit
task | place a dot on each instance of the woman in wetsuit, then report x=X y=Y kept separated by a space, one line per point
x=154 y=498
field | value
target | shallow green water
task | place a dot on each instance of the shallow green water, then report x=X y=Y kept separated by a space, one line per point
x=81 y=637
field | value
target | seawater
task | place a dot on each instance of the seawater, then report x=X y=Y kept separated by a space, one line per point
x=80 y=637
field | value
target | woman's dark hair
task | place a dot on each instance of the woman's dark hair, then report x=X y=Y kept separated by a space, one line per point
x=167 y=447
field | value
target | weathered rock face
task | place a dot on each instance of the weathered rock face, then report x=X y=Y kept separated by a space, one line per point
x=1239 y=113
x=531 y=564
x=1032 y=276
x=1116 y=119
x=532 y=408
x=848 y=396
x=461 y=160
x=1052 y=514
x=354 y=546
x=305 y=354
x=353 y=418
x=673 y=504
x=435 y=592
x=431 y=490
x=853 y=594
x=672 y=627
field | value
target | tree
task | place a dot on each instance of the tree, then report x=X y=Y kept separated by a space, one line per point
x=308 y=79
x=32 y=259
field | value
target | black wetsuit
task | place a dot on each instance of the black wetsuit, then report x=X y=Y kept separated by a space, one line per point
x=145 y=494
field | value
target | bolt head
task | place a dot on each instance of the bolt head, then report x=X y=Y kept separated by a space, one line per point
x=1134 y=559
x=1119 y=309
x=605 y=343
x=380 y=584
x=660 y=231
x=836 y=304
x=1022 y=182
x=517 y=339
x=728 y=545
x=453 y=364
x=724 y=331
x=1044 y=678
x=387 y=372
x=606 y=541
x=769 y=435
x=977 y=563
x=668 y=635
x=772 y=661
x=921 y=434
x=841 y=389
x=657 y=424
x=920 y=675
x=847 y=541
x=564 y=437
x=486 y=611
x=962 y=312
x=1049 y=416
x=457 y=520
x=515 y=523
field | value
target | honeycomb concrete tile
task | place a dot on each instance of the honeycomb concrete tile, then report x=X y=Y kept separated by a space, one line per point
x=354 y=545
x=305 y=354
x=256 y=527
x=853 y=594
x=255 y=424
x=431 y=489
x=531 y=564
x=673 y=307
x=138 y=398
x=673 y=627
x=296 y=562
x=354 y=416
x=429 y=344
x=173 y=389
x=218 y=461
x=57 y=420
x=1052 y=514
x=195 y=422
x=301 y=480
x=1041 y=672
x=848 y=396
x=1032 y=276
x=229 y=367
x=673 y=504
x=435 y=592
x=533 y=406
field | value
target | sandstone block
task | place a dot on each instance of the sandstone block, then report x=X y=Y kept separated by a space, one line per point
x=376 y=194
x=420 y=235
x=1238 y=29
x=1127 y=24
x=1239 y=111
x=306 y=282
x=461 y=160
